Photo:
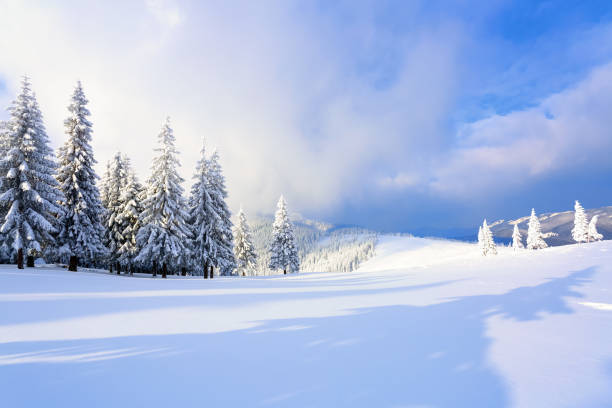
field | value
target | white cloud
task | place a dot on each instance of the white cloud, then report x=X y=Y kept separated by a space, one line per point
x=287 y=97
x=568 y=130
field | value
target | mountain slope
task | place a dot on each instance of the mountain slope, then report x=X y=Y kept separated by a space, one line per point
x=560 y=223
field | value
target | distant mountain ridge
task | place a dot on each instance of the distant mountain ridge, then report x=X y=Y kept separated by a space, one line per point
x=560 y=223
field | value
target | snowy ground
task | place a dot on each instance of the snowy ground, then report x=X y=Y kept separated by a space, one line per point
x=426 y=323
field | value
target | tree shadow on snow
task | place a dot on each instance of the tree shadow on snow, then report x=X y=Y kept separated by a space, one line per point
x=395 y=356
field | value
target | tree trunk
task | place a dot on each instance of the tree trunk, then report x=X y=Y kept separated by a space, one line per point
x=110 y=267
x=154 y=269
x=206 y=270
x=72 y=265
x=183 y=271
x=30 y=261
x=164 y=271
x=131 y=269
x=118 y=268
x=212 y=273
x=284 y=271
x=20 y=258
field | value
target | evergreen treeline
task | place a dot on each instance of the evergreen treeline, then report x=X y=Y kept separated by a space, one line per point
x=54 y=208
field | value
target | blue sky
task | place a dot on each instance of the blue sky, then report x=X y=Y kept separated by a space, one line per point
x=395 y=115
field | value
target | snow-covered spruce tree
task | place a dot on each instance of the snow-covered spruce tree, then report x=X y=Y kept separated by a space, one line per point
x=81 y=232
x=222 y=229
x=114 y=183
x=164 y=234
x=129 y=214
x=244 y=250
x=535 y=238
x=202 y=218
x=481 y=242
x=580 y=230
x=28 y=190
x=593 y=234
x=487 y=245
x=283 y=252
x=517 y=239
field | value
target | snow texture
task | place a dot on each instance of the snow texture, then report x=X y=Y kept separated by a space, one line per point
x=425 y=323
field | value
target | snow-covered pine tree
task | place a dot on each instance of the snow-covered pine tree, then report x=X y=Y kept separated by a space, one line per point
x=517 y=239
x=114 y=184
x=81 y=231
x=202 y=218
x=129 y=214
x=485 y=240
x=481 y=241
x=580 y=230
x=28 y=190
x=164 y=234
x=244 y=250
x=535 y=238
x=222 y=230
x=283 y=252
x=593 y=234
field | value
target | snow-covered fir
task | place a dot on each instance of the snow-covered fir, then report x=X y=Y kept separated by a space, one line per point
x=580 y=230
x=535 y=238
x=164 y=234
x=130 y=209
x=486 y=243
x=81 y=234
x=29 y=192
x=593 y=234
x=114 y=183
x=283 y=252
x=244 y=250
x=517 y=238
x=202 y=218
x=221 y=232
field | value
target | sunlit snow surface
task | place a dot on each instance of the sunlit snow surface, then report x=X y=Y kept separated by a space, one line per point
x=425 y=323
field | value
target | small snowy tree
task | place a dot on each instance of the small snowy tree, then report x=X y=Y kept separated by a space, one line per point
x=129 y=214
x=580 y=230
x=164 y=233
x=485 y=240
x=244 y=250
x=535 y=238
x=517 y=239
x=28 y=190
x=222 y=229
x=81 y=231
x=593 y=234
x=283 y=252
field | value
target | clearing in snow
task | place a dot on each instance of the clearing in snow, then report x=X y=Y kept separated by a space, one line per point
x=425 y=323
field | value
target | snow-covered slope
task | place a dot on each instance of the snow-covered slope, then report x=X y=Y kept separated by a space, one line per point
x=425 y=323
x=560 y=223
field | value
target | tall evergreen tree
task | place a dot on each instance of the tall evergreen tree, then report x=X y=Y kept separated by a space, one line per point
x=581 y=228
x=202 y=218
x=164 y=232
x=283 y=252
x=222 y=229
x=244 y=250
x=114 y=184
x=517 y=239
x=593 y=234
x=81 y=231
x=28 y=190
x=535 y=238
x=129 y=214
